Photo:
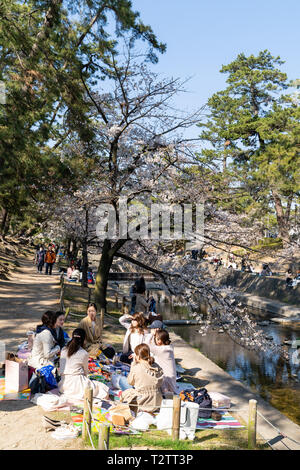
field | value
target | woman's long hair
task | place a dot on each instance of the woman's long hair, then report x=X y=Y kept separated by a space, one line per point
x=48 y=319
x=141 y=323
x=78 y=337
x=142 y=351
x=163 y=336
x=60 y=339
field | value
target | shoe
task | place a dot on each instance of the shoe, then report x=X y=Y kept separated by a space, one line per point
x=54 y=421
x=50 y=426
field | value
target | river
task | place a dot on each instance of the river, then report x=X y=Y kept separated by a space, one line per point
x=275 y=380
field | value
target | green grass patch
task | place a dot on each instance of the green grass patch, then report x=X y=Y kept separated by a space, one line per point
x=236 y=439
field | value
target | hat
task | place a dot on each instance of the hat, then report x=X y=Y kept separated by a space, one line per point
x=156 y=324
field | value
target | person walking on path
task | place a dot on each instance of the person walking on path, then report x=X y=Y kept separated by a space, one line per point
x=50 y=259
x=40 y=259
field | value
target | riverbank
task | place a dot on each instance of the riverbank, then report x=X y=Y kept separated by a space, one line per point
x=216 y=379
x=289 y=313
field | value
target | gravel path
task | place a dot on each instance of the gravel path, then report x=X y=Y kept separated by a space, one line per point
x=23 y=299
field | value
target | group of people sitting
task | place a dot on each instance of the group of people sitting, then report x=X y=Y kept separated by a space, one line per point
x=291 y=279
x=52 y=346
x=146 y=349
x=74 y=273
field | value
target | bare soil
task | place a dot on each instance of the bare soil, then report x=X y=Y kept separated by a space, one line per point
x=24 y=296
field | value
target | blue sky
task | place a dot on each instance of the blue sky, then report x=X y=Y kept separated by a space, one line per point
x=202 y=35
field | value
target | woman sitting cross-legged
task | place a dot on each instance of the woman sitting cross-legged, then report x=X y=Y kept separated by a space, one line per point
x=136 y=334
x=74 y=369
x=45 y=345
x=146 y=377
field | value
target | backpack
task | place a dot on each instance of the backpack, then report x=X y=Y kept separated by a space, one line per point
x=38 y=384
x=202 y=398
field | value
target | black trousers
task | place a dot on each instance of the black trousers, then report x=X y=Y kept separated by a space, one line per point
x=49 y=267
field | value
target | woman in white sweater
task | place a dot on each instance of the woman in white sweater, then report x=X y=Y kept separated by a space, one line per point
x=136 y=334
x=74 y=370
x=163 y=353
x=45 y=346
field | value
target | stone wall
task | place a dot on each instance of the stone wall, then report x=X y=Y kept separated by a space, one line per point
x=271 y=287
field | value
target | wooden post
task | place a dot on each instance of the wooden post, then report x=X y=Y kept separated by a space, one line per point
x=87 y=418
x=103 y=442
x=176 y=417
x=252 y=419
x=117 y=300
x=89 y=295
x=102 y=310
x=61 y=301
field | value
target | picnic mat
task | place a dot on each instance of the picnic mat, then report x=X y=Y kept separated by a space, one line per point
x=227 y=422
x=101 y=416
x=24 y=395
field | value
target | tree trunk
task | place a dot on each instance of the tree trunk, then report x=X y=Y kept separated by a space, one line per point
x=84 y=244
x=85 y=263
x=74 y=251
x=102 y=275
x=68 y=250
x=107 y=257
x=282 y=218
x=4 y=221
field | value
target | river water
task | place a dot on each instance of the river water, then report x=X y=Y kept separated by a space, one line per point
x=275 y=380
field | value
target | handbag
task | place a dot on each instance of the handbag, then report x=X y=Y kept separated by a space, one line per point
x=38 y=383
x=202 y=398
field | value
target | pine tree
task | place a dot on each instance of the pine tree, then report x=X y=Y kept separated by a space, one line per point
x=255 y=126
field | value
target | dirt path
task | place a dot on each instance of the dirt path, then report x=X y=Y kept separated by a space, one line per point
x=23 y=299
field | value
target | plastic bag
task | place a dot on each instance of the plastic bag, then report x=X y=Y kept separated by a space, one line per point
x=46 y=371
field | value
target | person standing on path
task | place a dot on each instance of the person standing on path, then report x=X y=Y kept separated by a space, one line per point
x=50 y=258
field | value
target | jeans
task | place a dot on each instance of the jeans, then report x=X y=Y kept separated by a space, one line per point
x=40 y=267
x=124 y=357
x=123 y=383
x=133 y=303
x=49 y=267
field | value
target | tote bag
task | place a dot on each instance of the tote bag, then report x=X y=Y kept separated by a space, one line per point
x=188 y=418
x=16 y=376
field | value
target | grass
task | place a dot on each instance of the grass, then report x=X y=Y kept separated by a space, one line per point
x=204 y=440
x=113 y=334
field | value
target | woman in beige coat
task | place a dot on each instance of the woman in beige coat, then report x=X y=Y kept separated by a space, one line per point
x=146 y=377
x=92 y=326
